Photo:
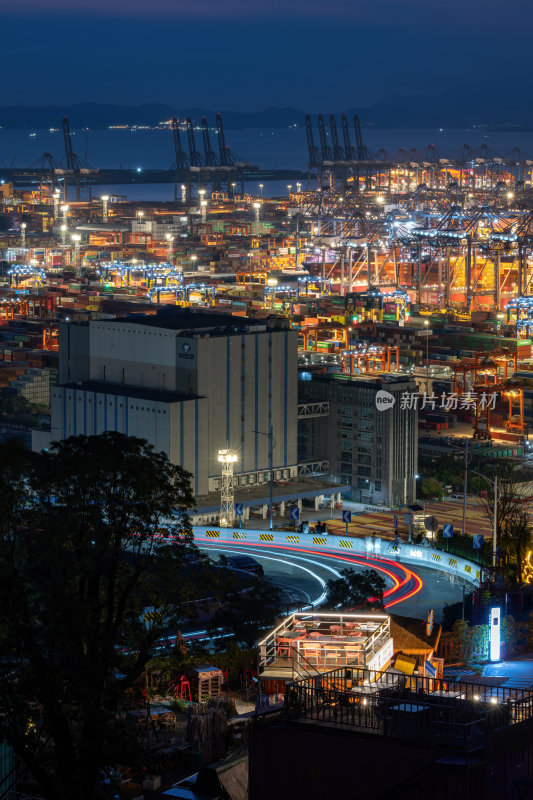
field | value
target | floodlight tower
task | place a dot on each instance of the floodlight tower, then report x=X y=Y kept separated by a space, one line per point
x=227 y=458
x=56 y=196
x=105 y=200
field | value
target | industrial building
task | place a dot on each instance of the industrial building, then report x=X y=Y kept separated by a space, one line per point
x=369 y=437
x=191 y=383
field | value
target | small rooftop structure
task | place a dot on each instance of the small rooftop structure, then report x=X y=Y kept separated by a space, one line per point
x=311 y=643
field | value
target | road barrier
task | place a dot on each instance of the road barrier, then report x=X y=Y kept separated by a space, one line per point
x=371 y=546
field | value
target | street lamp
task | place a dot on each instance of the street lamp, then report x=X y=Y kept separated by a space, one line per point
x=272 y=443
x=289 y=187
x=233 y=191
x=494 y=484
x=257 y=206
x=140 y=215
x=261 y=191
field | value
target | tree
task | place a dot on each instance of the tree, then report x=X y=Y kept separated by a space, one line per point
x=245 y=613
x=81 y=558
x=517 y=533
x=510 y=499
x=431 y=487
x=510 y=633
x=469 y=644
x=356 y=590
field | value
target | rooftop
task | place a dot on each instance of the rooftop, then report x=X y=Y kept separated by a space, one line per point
x=451 y=716
x=308 y=643
x=189 y=320
x=136 y=392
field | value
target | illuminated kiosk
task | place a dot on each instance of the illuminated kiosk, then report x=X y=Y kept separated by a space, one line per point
x=310 y=643
x=495 y=634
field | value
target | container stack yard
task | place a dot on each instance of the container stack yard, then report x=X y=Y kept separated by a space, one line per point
x=421 y=267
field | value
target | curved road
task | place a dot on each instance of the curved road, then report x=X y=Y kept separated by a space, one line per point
x=304 y=571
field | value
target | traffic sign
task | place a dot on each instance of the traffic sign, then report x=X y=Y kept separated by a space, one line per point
x=477 y=541
x=408 y=518
x=294 y=514
x=447 y=530
x=346 y=516
x=239 y=509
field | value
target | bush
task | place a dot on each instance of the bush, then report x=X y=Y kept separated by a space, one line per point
x=470 y=643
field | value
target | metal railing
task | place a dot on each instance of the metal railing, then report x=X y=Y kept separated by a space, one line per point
x=338 y=651
x=449 y=715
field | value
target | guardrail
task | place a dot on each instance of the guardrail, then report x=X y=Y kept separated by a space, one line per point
x=371 y=546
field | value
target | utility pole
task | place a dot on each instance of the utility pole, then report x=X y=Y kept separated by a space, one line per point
x=495 y=529
x=465 y=487
x=272 y=444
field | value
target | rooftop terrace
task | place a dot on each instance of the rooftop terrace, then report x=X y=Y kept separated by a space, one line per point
x=449 y=715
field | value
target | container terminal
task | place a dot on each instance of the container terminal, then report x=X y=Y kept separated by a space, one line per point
x=406 y=264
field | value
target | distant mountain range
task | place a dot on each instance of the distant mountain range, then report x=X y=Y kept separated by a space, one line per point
x=393 y=111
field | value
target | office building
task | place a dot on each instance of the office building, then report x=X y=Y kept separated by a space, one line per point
x=369 y=435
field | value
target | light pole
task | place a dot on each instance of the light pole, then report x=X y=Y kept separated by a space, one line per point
x=233 y=191
x=261 y=191
x=465 y=480
x=203 y=204
x=76 y=238
x=170 y=239
x=426 y=323
x=105 y=200
x=227 y=495
x=272 y=443
x=64 y=211
x=56 y=203
x=257 y=207
x=494 y=484
x=63 y=235
x=23 y=236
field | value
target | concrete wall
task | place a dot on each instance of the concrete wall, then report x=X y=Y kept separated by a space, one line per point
x=74 y=352
x=251 y=382
x=137 y=355
x=247 y=382
x=173 y=428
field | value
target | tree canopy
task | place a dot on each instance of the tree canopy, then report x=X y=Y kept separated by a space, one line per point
x=81 y=559
x=514 y=527
x=245 y=614
x=357 y=590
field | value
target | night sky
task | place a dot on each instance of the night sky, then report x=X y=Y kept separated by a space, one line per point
x=250 y=54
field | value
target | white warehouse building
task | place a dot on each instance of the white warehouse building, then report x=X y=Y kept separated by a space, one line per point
x=190 y=382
